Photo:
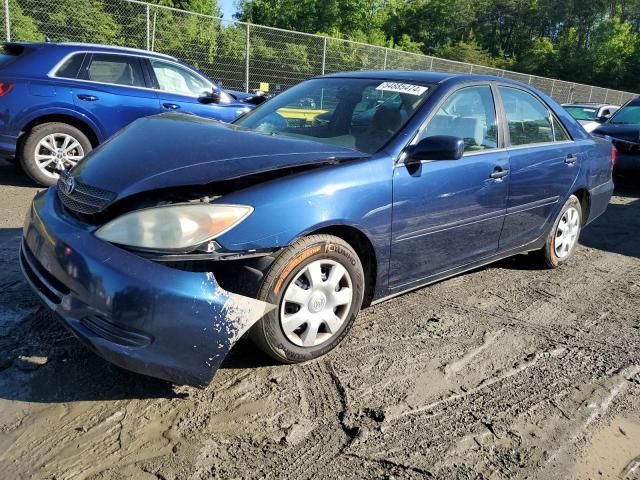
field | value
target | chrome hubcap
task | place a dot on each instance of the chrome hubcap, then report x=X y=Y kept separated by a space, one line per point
x=316 y=303
x=57 y=152
x=567 y=233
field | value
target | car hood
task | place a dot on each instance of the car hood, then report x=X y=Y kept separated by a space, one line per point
x=628 y=133
x=176 y=150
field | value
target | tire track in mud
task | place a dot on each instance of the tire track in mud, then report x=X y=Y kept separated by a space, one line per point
x=325 y=403
x=524 y=396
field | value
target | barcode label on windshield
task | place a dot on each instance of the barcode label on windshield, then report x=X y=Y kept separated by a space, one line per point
x=409 y=88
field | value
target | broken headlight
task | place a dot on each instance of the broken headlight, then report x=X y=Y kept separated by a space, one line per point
x=173 y=227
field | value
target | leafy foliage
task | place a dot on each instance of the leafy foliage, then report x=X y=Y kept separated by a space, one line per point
x=581 y=41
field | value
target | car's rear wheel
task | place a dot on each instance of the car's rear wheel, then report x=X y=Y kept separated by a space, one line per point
x=51 y=148
x=317 y=286
x=564 y=235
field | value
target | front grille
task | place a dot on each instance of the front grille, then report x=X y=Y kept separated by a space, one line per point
x=84 y=199
x=49 y=286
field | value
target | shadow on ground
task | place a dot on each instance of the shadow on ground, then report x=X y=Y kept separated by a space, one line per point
x=13 y=175
x=617 y=229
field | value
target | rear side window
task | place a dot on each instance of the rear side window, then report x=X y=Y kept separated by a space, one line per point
x=559 y=133
x=71 y=66
x=115 y=69
x=528 y=119
x=9 y=52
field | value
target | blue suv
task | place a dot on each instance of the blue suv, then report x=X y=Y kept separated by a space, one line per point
x=60 y=100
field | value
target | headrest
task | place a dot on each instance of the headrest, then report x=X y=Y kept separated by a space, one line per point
x=387 y=118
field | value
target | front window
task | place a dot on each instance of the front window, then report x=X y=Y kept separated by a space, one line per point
x=468 y=113
x=362 y=114
x=582 y=113
x=627 y=115
x=175 y=79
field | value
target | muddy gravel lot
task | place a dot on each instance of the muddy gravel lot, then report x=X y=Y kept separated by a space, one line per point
x=506 y=372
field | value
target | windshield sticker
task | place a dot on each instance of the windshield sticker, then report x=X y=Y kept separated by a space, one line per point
x=416 y=90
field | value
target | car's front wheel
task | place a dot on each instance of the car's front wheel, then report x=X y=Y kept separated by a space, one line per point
x=51 y=148
x=564 y=235
x=317 y=286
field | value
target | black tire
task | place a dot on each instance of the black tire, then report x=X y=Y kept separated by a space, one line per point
x=27 y=154
x=548 y=255
x=268 y=333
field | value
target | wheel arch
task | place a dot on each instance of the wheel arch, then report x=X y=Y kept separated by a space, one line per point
x=363 y=247
x=584 y=197
x=82 y=125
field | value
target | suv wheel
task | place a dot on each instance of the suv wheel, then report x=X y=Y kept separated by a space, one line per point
x=51 y=148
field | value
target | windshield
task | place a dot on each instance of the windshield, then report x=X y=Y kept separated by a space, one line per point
x=582 y=113
x=362 y=114
x=629 y=114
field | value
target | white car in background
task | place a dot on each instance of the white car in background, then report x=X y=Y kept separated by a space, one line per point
x=590 y=115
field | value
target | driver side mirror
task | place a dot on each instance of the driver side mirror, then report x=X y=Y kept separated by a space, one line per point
x=603 y=118
x=212 y=96
x=438 y=147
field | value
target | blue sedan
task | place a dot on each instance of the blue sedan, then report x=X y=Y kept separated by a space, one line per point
x=60 y=100
x=286 y=223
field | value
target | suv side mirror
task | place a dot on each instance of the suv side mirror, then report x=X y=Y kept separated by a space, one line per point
x=438 y=147
x=212 y=96
x=603 y=118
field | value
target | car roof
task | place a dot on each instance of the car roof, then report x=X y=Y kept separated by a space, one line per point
x=93 y=47
x=418 y=76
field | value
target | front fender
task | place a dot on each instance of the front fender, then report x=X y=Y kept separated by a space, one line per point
x=33 y=113
x=356 y=193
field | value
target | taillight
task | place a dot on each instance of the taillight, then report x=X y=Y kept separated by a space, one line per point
x=614 y=156
x=5 y=87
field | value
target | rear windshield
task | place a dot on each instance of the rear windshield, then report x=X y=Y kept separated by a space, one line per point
x=9 y=52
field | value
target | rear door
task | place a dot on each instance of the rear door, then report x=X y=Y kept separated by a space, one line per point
x=544 y=164
x=450 y=213
x=181 y=89
x=113 y=91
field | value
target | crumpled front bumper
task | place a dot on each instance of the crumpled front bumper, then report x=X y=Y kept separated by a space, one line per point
x=137 y=314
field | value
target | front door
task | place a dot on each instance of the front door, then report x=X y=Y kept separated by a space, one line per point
x=544 y=164
x=181 y=90
x=450 y=213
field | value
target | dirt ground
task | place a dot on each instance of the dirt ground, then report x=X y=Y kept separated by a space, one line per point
x=506 y=372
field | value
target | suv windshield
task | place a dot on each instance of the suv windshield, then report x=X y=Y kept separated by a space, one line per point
x=582 y=113
x=629 y=114
x=363 y=114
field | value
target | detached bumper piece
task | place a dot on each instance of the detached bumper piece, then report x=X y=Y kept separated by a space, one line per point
x=138 y=314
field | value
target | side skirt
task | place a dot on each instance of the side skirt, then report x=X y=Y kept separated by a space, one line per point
x=531 y=247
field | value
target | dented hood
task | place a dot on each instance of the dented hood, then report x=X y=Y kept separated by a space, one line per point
x=171 y=150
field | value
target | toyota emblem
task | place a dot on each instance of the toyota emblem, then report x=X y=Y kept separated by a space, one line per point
x=69 y=184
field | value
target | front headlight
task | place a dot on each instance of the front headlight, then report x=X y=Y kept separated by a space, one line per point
x=173 y=227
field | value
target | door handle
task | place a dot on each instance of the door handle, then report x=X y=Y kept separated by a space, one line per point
x=499 y=173
x=171 y=106
x=570 y=159
x=87 y=98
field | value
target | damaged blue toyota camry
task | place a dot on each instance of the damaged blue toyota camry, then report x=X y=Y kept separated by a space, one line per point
x=180 y=234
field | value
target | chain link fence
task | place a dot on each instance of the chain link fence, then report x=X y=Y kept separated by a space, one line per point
x=241 y=56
